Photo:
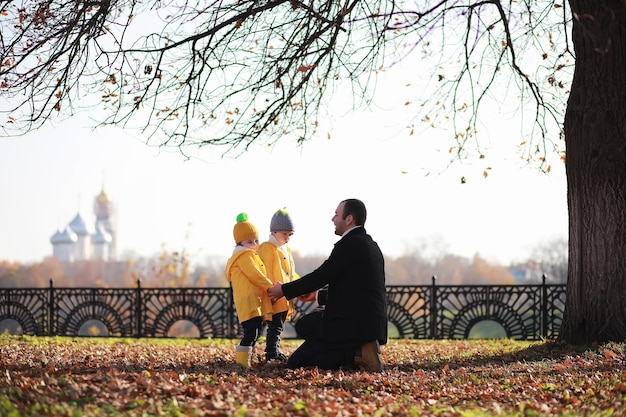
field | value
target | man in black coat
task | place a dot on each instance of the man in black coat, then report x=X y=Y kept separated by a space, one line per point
x=354 y=322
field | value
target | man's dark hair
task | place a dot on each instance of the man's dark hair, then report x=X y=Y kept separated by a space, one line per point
x=357 y=209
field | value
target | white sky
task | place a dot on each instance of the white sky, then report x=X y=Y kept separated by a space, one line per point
x=50 y=175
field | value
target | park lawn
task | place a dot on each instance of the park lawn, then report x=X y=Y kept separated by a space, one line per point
x=41 y=376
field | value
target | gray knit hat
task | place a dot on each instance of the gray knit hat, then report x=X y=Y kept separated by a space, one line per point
x=281 y=222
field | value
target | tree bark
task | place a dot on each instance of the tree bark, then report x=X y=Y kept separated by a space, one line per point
x=595 y=137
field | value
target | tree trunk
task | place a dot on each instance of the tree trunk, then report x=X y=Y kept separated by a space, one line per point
x=595 y=137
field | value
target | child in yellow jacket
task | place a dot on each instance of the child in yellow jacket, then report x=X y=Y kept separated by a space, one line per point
x=247 y=274
x=276 y=256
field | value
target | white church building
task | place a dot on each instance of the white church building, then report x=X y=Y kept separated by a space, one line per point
x=79 y=241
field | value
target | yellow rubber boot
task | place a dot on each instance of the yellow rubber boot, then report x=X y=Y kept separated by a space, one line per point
x=243 y=355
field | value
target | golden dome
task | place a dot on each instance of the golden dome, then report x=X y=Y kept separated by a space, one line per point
x=103 y=197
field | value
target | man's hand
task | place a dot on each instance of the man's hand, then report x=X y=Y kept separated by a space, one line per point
x=275 y=292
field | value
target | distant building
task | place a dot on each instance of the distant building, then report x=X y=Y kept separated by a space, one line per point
x=78 y=241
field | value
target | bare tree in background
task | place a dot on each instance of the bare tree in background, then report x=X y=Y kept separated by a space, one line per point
x=551 y=260
x=233 y=73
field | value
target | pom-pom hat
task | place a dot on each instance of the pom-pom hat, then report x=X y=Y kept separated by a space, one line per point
x=243 y=229
x=281 y=222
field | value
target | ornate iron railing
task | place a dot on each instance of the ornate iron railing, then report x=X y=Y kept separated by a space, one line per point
x=525 y=312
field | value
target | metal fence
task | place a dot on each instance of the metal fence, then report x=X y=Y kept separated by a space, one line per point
x=524 y=312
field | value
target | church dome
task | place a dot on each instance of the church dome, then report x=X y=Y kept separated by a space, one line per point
x=79 y=226
x=103 y=197
x=101 y=235
x=64 y=236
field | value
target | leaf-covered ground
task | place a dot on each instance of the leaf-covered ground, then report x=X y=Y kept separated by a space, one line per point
x=84 y=376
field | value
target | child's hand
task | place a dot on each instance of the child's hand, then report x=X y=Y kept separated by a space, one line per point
x=275 y=292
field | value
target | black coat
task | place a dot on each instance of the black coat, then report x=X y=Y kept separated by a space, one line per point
x=356 y=308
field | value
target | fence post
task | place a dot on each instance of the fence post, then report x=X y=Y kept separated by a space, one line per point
x=138 y=309
x=50 y=309
x=433 y=309
x=231 y=313
x=544 y=307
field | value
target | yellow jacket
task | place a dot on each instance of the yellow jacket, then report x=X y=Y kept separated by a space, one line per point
x=246 y=272
x=280 y=268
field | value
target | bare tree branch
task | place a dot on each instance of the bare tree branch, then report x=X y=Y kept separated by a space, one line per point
x=232 y=73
